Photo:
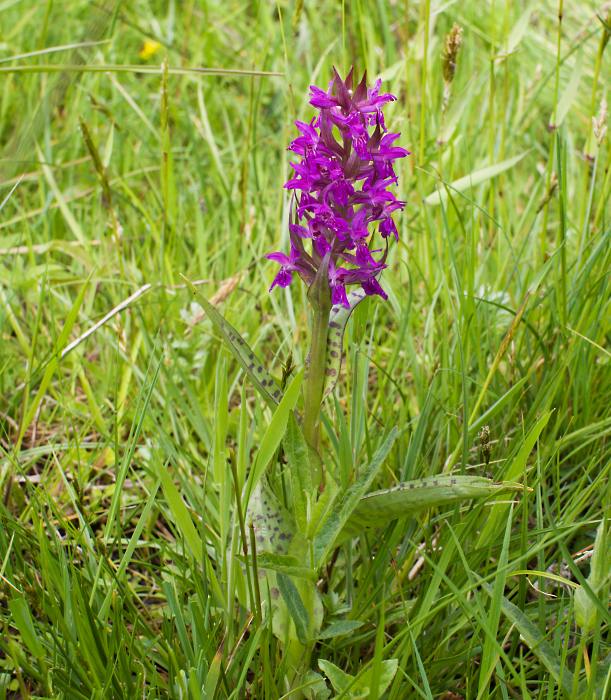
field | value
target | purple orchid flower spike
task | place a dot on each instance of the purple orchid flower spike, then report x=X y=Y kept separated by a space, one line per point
x=342 y=184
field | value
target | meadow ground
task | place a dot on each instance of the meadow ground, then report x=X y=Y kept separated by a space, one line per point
x=119 y=536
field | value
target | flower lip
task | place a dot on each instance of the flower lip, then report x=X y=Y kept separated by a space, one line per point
x=341 y=187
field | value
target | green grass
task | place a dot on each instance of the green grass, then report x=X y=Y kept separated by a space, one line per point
x=119 y=461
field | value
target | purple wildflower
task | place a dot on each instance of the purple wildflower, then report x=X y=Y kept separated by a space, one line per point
x=342 y=183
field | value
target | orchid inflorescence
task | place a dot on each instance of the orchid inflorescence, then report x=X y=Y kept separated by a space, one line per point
x=344 y=187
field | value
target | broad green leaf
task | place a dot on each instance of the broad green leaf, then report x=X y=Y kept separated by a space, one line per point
x=337 y=517
x=265 y=384
x=380 y=507
x=340 y=628
x=285 y=564
x=387 y=673
x=275 y=433
x=585 y=608
x=338 y=319
x=535 y=641
x=314 y=686
x=180 y=514
x=274 y=529
x=22 y=619
x=273 y=525
x=358 y=688
x=300 y=471
x=340 y=680
x=295 y=606
x=278 y=544
x=475 y=178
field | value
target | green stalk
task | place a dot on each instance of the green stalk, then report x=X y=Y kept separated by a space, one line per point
x=315 y=374
x=319 y=296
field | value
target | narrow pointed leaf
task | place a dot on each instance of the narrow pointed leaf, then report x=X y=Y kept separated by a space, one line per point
x=337 y=518
x=275 y=433
x=338 y=320
x=285 y=564
x=585 y=607
x=300 y=471
x=295 y=606
x=265 y=384
x=340 y=628
x=381 y=507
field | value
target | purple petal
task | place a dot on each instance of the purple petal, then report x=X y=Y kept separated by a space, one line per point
x=339 y=296
x=372 y=286
x=282 y=279
x=319 y=98
x=388 y=227
x=279 y=257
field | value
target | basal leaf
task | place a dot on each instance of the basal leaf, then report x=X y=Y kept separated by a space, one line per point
x=285 y=564
x=380 y=507
x=265 y=384
x=338 y=320
x=300 y=471
x=340 y=680
x=585 y=608
x=273 y=525
x=358 y=688
x=340 y=628
x=295 y=606
x=279 y=549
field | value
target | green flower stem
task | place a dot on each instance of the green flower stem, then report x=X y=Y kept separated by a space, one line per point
x=315 y=377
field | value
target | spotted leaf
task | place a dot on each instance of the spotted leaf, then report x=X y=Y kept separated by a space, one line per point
x=265 y=384
x=378 y=508
x=294 y=604
x=338 y=320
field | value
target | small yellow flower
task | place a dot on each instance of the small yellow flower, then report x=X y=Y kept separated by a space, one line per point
x=149 y=49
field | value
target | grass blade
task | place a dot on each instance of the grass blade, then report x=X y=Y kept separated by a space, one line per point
x=473 y=179
x=535 y=641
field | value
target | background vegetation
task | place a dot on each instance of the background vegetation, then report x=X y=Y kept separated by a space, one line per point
x=117 y=540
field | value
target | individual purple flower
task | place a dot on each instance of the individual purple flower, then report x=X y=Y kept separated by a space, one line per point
x=342 y=188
